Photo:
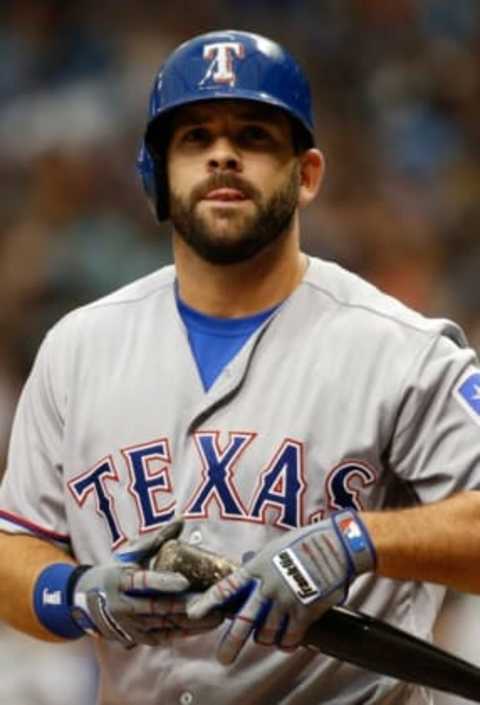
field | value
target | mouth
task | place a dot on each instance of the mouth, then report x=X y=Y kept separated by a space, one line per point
x=225 y=195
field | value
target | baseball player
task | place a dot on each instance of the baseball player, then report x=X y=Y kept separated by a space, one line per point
x=261 y=403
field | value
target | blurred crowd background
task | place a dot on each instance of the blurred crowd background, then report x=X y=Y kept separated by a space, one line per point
x=396 y=85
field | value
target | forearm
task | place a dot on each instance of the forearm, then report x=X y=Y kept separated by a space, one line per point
x=22 y=560
x=437 y=543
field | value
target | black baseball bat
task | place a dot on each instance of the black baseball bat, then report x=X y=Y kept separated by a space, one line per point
x=345 y=634
x=377 y=646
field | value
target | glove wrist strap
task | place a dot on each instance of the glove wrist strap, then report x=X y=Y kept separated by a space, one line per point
x=75 y=575
x=356 y=541
x=78 y=604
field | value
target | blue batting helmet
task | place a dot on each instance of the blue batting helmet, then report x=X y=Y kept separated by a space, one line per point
x=215 y=66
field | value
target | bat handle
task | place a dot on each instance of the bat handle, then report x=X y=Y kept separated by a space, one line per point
x=341 y=633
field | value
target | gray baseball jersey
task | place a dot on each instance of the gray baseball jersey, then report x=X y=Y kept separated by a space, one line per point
x=343 y=398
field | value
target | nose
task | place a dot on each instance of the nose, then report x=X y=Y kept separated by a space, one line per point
x=223 y=156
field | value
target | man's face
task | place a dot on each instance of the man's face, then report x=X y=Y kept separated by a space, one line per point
x=233 y=178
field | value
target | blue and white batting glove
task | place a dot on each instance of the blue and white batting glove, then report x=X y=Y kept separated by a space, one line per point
x=122 y=600
x=289 y=584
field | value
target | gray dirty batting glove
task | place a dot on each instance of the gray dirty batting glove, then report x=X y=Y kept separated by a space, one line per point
x=126 y=602
x=289 y=584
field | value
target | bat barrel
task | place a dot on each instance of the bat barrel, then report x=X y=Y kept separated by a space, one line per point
x=380 y=647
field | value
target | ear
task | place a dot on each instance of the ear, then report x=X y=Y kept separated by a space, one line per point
x=312 y=168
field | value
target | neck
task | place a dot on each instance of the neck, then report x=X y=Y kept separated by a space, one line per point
x=239 y=289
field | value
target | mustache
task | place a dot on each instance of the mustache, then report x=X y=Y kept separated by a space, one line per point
x=216 y=181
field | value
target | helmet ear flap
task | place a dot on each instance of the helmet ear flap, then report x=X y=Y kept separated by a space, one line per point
x=153 y=173
x=151 y=165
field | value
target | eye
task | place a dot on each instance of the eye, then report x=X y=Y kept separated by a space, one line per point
x=196 y=135
x=255 y=134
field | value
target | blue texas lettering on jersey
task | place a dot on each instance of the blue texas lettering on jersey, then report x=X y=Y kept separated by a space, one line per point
x=280 y=485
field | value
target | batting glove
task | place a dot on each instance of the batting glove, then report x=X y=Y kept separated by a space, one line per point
x=289 y=584
x=126 y=602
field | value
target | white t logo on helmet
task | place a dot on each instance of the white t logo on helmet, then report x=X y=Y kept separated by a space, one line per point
x=221 y=55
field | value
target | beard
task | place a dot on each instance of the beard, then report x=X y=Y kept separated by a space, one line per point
x=254 y=233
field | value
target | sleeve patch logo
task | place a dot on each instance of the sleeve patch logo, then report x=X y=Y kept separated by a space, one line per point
x=468 y=394
x=297 y=578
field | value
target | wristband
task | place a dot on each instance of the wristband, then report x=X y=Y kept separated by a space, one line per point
x=52 y=600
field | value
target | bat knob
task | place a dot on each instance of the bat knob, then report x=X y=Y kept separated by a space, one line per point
x=201 y=567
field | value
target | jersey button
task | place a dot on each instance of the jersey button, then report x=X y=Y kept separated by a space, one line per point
x=196 y=537
x=186 y=698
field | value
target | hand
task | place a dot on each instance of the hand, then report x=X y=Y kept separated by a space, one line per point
x=125 y=601
x=289 y=584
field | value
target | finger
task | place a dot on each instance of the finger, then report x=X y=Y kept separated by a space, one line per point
x=165 y=606
x=155 y=630
x=282 y=631
x=147 y=545
x=170 y=531
x=242 y=626
x=153 y=606
x=152 y=583
x=219 y=595
x=156 y=637
x=201 y=605
x=291 y=645
x=149 y=622
x=292 y=636
x=144 y=624
x=266 y=633
x=151 y=636
x=182 y=621
x=105 y=621
x=163 y=637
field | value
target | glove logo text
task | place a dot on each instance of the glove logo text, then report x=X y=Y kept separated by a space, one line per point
x=296 y=576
